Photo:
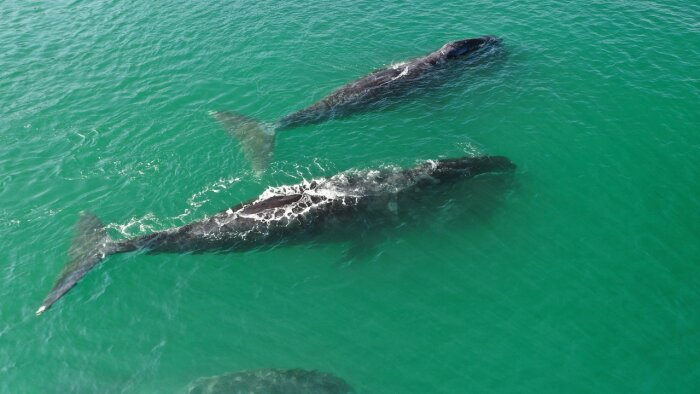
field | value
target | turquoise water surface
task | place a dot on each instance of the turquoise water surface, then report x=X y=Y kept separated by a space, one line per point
x=582 y=274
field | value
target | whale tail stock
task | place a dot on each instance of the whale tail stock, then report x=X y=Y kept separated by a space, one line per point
x=90 y=246
x=256 y=138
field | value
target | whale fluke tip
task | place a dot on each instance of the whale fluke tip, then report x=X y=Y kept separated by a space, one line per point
x=90 y=246
x=256 y=139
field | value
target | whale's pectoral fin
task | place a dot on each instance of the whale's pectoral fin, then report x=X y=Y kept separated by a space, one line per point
x=362 y=249
x=257 y=139
x=89 y=247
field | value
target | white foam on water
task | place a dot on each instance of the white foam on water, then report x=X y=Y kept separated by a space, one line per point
x=403 y=73
x=346 y=188
x=200 y=198
x=146 y=224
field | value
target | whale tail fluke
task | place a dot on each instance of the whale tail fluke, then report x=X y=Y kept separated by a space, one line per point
x=257 y=139
x=90 y=245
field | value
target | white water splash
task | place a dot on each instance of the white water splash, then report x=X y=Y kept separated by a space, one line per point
x=200 y=198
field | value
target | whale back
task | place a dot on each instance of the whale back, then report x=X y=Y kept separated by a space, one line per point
x=267 y=381
x=460 y=48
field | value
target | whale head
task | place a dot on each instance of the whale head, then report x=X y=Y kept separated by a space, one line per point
x=471 y=166
x=459 y=48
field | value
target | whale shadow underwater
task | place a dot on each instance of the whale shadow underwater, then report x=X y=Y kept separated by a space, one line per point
x=466 y=206
x=379 y=89
x=354 y=204
x=271 y=381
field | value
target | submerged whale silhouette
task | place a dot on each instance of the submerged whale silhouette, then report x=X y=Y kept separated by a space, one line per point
x=257 y=139
x=284 y=214
x=270 y=381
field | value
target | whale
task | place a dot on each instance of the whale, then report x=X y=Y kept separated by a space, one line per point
x=350 y=202
x=257 y=138
x=269 y=381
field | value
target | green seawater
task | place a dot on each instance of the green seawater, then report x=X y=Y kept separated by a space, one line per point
x=582 y=275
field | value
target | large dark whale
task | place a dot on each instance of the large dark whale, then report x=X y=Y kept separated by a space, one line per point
x=284 y=214
x=257 y=139
x=271 y=381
